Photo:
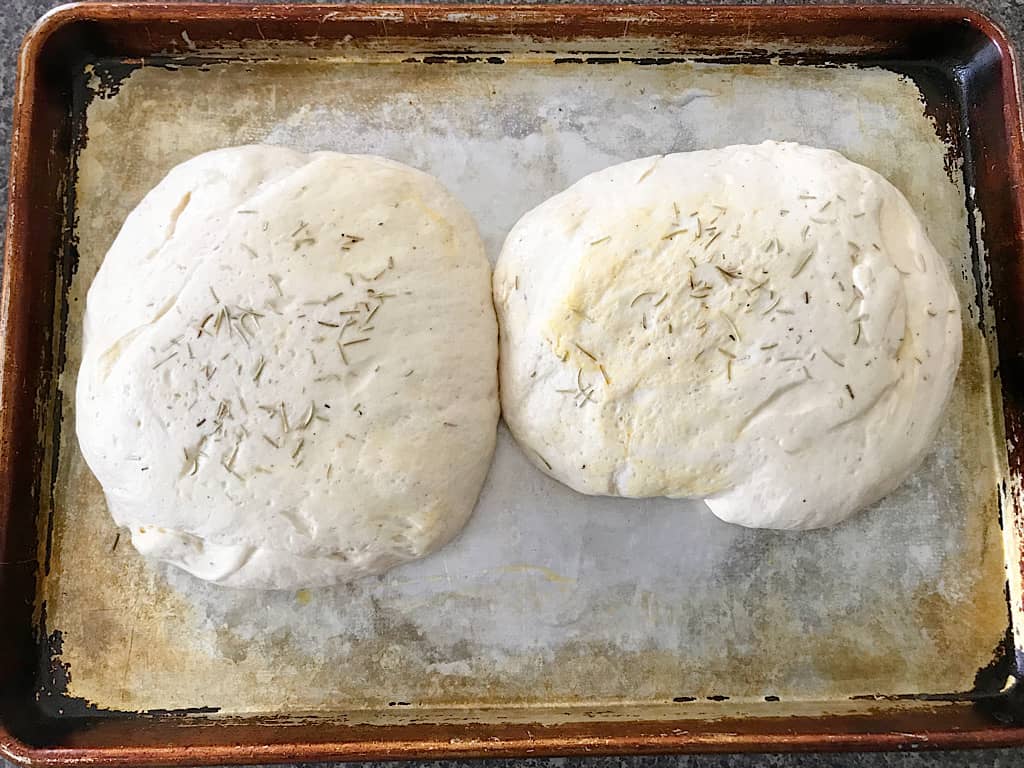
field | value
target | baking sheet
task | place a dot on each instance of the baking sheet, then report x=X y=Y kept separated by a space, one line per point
x=547 y=597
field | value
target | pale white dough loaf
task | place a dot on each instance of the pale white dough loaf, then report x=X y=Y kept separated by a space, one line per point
x=289 y=368
x=765 y=327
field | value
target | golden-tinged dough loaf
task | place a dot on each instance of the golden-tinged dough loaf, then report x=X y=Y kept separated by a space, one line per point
x=764 y=327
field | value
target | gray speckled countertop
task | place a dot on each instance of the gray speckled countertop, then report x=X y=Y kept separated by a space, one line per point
x=15 y=18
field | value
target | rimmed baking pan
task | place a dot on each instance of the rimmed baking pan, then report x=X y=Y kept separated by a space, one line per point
x=555 y=624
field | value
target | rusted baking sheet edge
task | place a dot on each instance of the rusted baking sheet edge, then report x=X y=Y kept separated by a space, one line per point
x=173 y=740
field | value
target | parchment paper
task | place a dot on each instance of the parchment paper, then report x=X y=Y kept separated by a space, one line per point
x=547 y=597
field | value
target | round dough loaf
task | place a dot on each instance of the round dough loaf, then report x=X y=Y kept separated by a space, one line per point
x=289 y=368
x=765 y=327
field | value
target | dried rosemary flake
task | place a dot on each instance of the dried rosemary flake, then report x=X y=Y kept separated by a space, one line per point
x=850 y=390
x=231 y=459
x=802 y=264
x=202 y=325
x=354 y=341
x=308 y=418
x=826 y=353
x=728 y=273
x=271 y=441
x=675 y=232
x=585 y=352
x=604 y=239
x=298 y=448
x=161 y=362
x=732 y=325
